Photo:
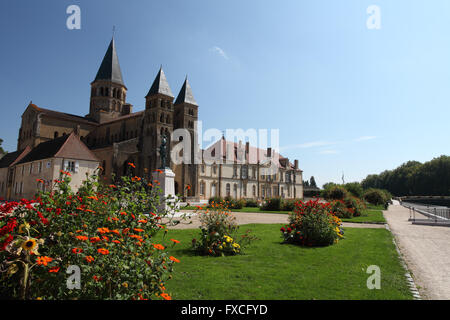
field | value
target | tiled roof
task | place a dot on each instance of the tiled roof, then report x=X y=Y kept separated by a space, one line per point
x=68 y=146
x=11 y=158
x=254 y=155
x=62 y=115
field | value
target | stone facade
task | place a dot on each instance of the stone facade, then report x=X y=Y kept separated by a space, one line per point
x=116 y=136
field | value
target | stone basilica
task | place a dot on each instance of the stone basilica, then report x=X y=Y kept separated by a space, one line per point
x=115 y=135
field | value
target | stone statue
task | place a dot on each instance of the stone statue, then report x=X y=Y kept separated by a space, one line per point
x=163 y=151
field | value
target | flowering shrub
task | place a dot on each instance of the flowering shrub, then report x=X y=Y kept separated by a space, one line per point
x=312 y=224
x=354 y=205
x=107 y=231
x=340 y=210
x=218 y=232
x=272 y=204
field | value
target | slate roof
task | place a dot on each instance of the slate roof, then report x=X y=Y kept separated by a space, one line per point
x=110 y=67
x=185 y=95
x=160 y=85
x=10 y=158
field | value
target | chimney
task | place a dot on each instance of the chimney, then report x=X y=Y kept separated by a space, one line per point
x=296 y=164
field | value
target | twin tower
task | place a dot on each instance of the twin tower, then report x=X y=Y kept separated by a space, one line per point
x=161 y=116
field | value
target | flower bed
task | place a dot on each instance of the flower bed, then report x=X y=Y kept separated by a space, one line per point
x=105 y=231
x=218 y=232
x=312 y=224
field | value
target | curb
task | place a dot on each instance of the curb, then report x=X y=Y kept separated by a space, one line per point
x=411 y=283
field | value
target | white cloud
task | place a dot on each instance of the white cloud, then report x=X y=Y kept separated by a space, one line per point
x=220 y=52
x=365 y=138
x=306 y=145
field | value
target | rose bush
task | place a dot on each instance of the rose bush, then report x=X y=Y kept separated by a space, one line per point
x=312 y=224
x=219 y=232
x=107 y=231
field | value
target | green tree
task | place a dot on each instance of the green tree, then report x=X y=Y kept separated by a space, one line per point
x=312 y=182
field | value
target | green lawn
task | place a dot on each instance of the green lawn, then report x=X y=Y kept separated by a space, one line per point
x=368 y=216
x=271 y=270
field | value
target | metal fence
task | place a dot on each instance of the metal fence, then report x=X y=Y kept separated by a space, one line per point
x=428 y=214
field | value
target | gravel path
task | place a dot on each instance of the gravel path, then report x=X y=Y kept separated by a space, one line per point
x=264 y=218
x=426 y=251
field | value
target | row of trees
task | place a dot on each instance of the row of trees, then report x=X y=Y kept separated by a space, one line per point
x=413 y=178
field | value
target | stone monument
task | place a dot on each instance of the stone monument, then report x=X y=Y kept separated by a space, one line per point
x=166 y=178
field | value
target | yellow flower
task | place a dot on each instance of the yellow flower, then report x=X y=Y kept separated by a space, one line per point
x=22 y=226
x=29 y=244
x=220 y=247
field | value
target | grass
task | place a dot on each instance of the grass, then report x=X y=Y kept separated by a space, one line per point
x=368 y=216
x=271 y=270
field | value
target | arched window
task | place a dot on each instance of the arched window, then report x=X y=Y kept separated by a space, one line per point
x=228 y=190
x=161 y=118
x=235 y=191
x=254 y=191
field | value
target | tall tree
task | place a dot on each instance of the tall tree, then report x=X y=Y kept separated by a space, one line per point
x=2 y=151
x=312 y=182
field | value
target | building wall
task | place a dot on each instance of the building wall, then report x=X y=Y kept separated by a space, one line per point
x=3 y=182
x=229 y=183
x=25 y=184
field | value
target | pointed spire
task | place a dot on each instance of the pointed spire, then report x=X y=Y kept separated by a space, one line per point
x=160 y=85
x=185 y=95
x=110 y=68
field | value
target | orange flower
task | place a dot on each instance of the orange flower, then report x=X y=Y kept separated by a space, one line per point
x=158 y=170
x=158 y=246
x=142 y=221
x=103 y=230
x=77 y=250
x=89 y=259
x=93 y=198
x=138 y=230
x=103 y=251
x=43 y=260
x=123 y=213
x=53 y=270
x=105 y=238
x=116 y=241
x=95 y=239
x=40 y=180
x=131 y=164
x=174 y=259
x=112 y=186
x=82 y=238
x=175 y=241
x=96 y=278
x=166 y=296
x=125 y=231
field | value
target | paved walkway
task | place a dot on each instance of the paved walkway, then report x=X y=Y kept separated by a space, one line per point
x=426 y=250
x=264 y=218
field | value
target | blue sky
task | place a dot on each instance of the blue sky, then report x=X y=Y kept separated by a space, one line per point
x=345 y=98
